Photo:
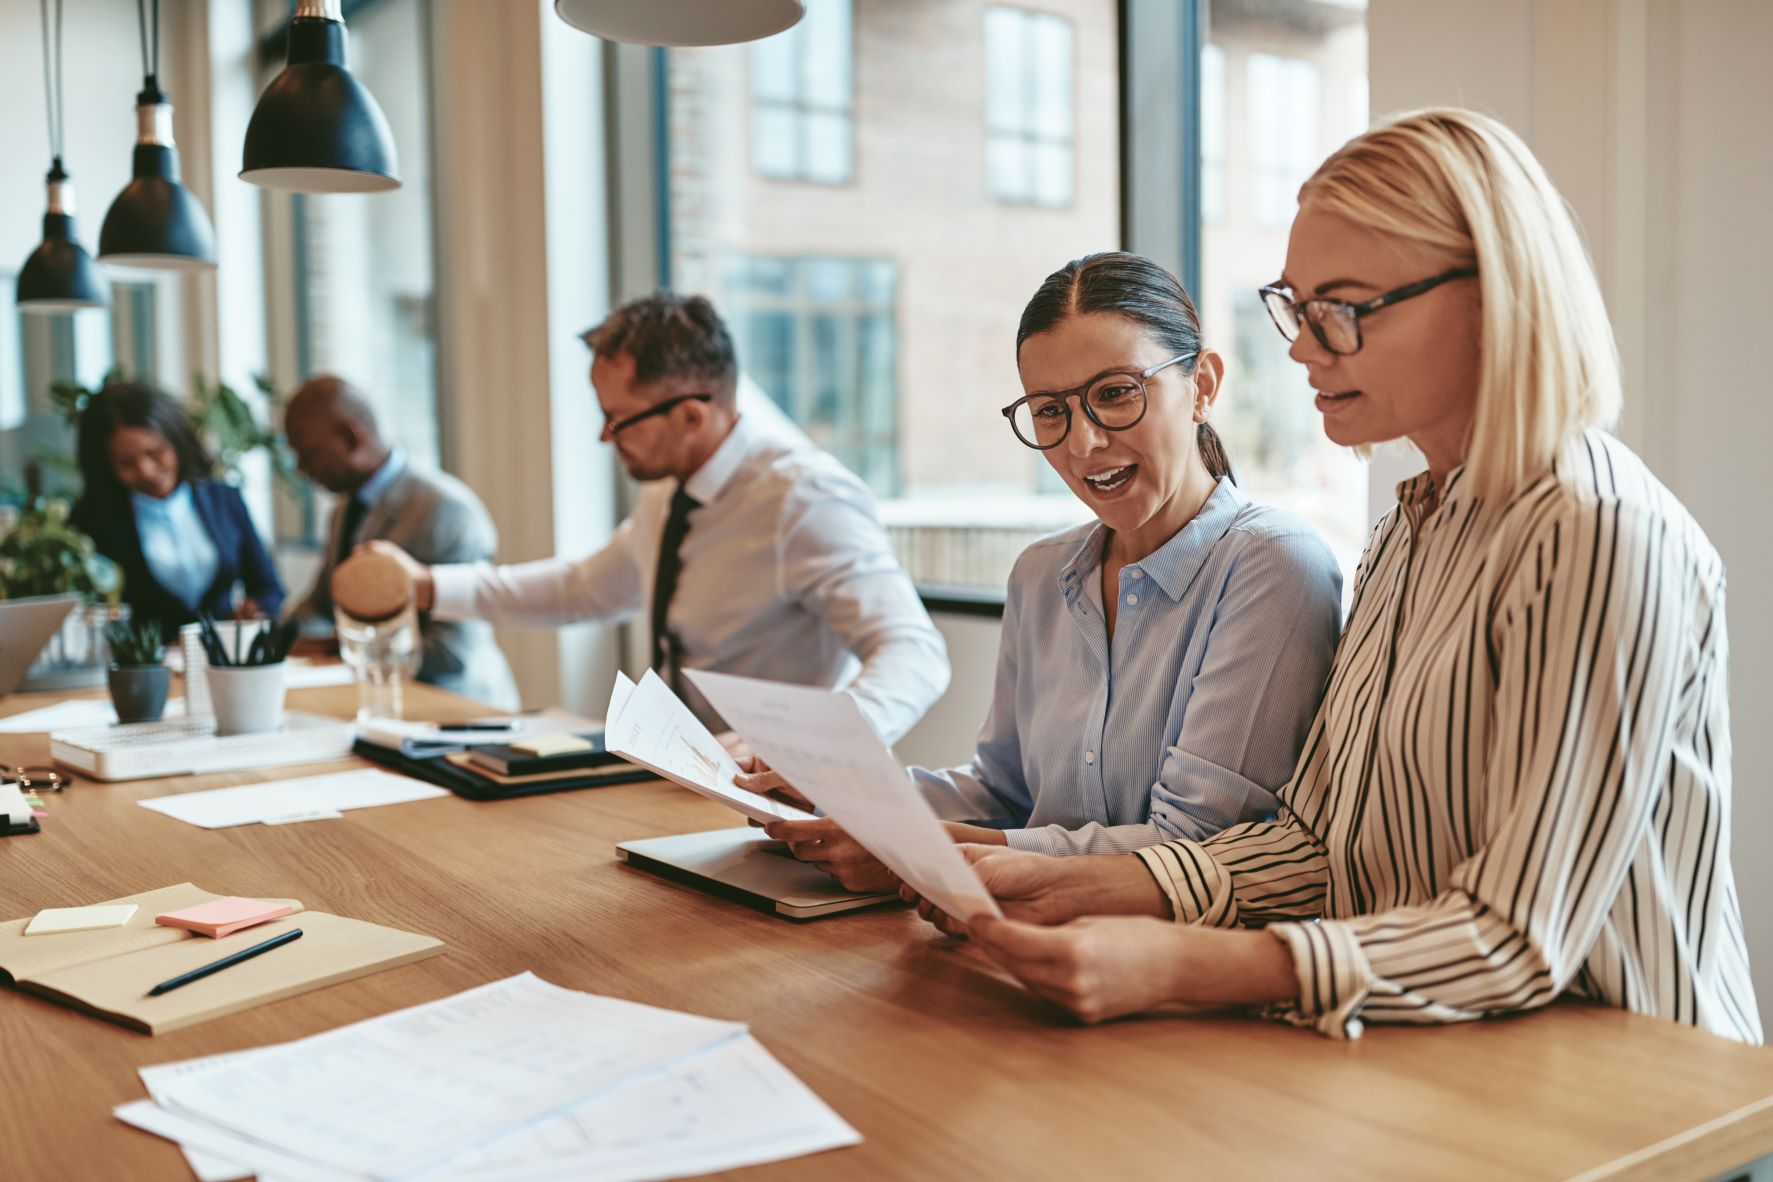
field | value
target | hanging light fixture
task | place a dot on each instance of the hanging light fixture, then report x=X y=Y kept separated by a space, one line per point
x=316 y=128
x=680 y=22
x=59 y=276
x=156 y=221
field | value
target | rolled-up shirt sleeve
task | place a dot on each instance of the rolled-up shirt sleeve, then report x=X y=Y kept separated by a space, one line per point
x=836 y=561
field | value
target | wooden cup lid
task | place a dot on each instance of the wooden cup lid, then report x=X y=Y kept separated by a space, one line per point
x=371 y=587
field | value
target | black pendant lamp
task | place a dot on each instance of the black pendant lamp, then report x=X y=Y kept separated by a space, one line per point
x=316 y=128
x=59 y=276
x=680 y=22
x=156 y=221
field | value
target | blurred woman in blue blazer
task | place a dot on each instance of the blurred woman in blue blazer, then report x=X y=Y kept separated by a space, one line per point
x=183 y=539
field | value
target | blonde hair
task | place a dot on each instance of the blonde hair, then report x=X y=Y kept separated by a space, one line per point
x=1463 y=184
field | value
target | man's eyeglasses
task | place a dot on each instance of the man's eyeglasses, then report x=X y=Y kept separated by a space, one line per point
x=1337 y=323
x=1114 y=401
x=614 y=427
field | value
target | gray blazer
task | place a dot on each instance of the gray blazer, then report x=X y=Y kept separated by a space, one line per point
x=437 y=519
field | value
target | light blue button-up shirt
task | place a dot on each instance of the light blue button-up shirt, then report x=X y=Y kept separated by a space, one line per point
x=176 y=544
x=1188 y=721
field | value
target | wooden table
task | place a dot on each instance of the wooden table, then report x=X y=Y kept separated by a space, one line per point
x=946 y=1068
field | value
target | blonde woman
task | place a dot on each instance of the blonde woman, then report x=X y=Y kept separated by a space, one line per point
x=1518 y=783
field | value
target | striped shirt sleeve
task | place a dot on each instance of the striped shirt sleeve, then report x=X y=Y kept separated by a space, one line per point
x=1588 y=654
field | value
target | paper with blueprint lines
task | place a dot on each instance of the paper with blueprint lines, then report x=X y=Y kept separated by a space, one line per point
x=647 y=725
x=729 y=1106
x=821 y=743
x=405 y=1092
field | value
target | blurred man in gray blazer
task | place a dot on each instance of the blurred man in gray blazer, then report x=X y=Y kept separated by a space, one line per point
x=431 y=515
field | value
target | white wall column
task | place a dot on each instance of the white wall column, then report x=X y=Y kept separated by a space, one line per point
x=522 y=268
x=1646 y=113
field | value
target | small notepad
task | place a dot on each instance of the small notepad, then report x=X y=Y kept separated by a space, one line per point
x=543 y=745
x=222 y=917
x=80 y=919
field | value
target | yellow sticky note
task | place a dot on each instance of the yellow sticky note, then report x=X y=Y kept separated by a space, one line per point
x=551 y=744
x=80 y=919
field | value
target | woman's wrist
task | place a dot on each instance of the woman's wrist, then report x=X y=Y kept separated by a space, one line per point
x=1237 y=966
x=1119 y=884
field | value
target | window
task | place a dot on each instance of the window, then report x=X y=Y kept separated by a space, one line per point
x=821 y=340
x=360 y=282
x=1285 y=144
x=37 y=351
x=880 y=315
x=802 y=127
x=1278 y=67
x=1028 y=104
x=1212 y=134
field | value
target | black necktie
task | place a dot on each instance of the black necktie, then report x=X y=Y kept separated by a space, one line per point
x=354 y=511
x=670 y=565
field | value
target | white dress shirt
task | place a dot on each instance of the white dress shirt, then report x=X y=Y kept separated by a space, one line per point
x=787 y=576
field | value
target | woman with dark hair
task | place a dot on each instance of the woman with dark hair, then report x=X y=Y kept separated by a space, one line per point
x=182 y=539
x=1158 y=666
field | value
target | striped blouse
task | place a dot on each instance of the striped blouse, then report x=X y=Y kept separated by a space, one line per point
x=1518 y=783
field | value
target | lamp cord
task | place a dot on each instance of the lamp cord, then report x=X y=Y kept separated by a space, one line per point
x=150 y=47
x=52 y=81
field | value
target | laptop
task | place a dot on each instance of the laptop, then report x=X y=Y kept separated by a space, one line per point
x=25 y=627
x=746 y=866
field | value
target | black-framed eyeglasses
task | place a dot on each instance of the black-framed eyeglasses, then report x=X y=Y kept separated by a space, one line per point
x=37 y=779
x=614 y=427
x=1337 y=323
x=1114 y=401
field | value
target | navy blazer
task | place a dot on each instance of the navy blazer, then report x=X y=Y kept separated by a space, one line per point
x=240 y=555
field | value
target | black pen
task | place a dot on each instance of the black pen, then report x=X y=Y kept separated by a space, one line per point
x=477 y=726
x=224 y=962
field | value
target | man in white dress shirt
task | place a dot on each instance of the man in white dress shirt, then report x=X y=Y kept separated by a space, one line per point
x=749 y=552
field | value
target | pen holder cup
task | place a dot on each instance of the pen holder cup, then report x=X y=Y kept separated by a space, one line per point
x=247 y=699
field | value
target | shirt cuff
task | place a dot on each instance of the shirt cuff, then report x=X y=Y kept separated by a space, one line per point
x=452 y=591
x=1199 y=889
x=1333 y=975
x=1038 y=841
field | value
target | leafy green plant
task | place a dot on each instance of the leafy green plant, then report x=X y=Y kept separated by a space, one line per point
x=224 y=420
x=41 y=554
x=134 y=642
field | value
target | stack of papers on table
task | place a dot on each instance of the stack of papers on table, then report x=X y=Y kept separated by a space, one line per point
x=519 y=1081
x=278 y=802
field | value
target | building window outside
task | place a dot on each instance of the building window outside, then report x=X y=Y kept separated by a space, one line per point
x=1277 y=64
x=881 y=315
x=1285 y=97
x=1028 y=107
x=802 y=99
x=1212 y=134
x=819 y=336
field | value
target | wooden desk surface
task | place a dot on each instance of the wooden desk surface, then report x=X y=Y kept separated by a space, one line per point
x=947 y=1069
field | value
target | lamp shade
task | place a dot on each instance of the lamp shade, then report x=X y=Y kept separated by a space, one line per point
x=317 y=129
x=155 y=221
x=680 y=22
x=60 y=276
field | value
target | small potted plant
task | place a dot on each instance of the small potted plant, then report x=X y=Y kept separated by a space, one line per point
x=138 y=680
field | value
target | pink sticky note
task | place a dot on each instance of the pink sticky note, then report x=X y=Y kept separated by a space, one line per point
x=223 y=916
x=38 y=813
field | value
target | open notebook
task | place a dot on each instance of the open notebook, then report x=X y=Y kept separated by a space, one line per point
x=109 y=973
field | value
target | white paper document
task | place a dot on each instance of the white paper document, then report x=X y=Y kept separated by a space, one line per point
x=648 y=725
x=74 y=714
x=223 y=808
x=822 y=744
x=729 y=1106
x=409 y=1091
